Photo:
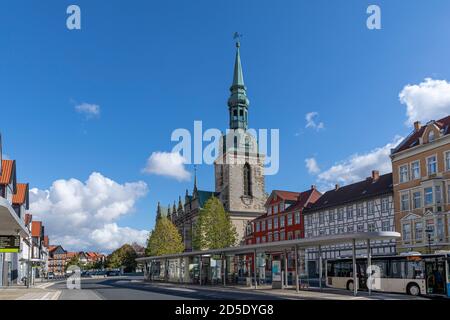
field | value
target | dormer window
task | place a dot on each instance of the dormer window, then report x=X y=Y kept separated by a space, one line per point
x=431 y=136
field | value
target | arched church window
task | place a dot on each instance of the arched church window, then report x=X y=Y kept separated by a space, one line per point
x=241 y=114
x=247 y=146
x=234 y=114
x=247 y=180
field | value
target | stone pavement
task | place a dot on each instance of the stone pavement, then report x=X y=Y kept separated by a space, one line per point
x=38 y=292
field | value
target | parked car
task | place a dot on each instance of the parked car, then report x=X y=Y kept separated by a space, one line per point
x=113 y=273
x=50 y=275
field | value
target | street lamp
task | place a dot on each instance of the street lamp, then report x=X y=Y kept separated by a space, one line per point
x=429 y=230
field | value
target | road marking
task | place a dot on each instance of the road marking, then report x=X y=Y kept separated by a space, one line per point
x=181 y=289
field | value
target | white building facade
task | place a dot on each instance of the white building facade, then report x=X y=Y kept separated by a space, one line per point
x=365 y=206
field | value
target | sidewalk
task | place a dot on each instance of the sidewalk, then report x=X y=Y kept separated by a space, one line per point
x=290 y=293
x=38 y=292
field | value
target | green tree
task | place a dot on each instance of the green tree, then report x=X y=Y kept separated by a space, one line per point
x=164 y=239
x=74 y=261
x=124 y=257
x=214 y=228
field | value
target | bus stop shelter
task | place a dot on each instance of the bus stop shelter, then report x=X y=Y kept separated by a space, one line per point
x=293 y=245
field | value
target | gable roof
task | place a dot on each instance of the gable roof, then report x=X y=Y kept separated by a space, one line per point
x=22 y=195
x=365 y=189
x=283 y=194
x=304 y=199
x=36 y=228
x=412 y=139
x=8 y=174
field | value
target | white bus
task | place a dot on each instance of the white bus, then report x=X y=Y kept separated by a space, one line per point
x=412 y=274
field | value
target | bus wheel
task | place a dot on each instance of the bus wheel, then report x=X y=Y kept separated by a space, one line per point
x=413 y=289
x=350 y=285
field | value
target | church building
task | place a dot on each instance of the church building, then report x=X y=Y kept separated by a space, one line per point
x=238 y=172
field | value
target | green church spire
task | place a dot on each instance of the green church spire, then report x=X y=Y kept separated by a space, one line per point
x=238 y=102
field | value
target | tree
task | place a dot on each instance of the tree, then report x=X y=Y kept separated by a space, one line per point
x=164 y=239
x=214 y=229
x=74 y=261
x=124 y=257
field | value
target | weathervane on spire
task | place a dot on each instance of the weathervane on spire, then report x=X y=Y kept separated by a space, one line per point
x=237 y=36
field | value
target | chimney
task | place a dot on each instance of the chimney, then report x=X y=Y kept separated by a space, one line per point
x=375 y=175
x=313 y=187
x=417 y=126
x=336 y=186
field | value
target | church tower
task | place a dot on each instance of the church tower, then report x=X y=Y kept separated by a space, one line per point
x=239 y=167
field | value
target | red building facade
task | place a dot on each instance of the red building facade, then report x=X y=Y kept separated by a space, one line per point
x=283 y=219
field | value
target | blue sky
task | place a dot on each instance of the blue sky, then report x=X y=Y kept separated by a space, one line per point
x=152 y=67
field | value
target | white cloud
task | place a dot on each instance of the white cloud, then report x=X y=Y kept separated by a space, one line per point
x=82 y=216
x=89 y=110
x=358 y=166
x=311 y=122
x=170 y=164
x=429 y=100
x=312 y=166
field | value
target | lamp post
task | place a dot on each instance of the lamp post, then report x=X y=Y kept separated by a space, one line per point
x=429 y=230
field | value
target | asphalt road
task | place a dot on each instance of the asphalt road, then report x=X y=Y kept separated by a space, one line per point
x=133 y=288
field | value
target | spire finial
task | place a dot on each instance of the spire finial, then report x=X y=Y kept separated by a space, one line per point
x=238 y=102
x=195 y=181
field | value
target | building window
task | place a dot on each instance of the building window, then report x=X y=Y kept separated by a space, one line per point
x=258 y=239
x=431 y=165
x=385 y=226
x=263 y=225
x=269 y=237
x=406 y=232
x=350 y=212
x=447 y=160
x=321 y=232
x=440 y=228
x=282 y=236
x=263 y=239
x=404 y=201
x=438 y=194
x=418 y=232
x=269 y=224
x=247 y=180
x=350 y=229
x=257 y=226
x=341 y=230
x=290 y=235
x=359 y=210
x=360 y=228
x=431 y=136
x=370 y=207
x=331 y=216
x=340 y=215
x=403 y=173
x=417 y=200
x=275 y=209
x=297 y=218
x=321 y=218
x=275 y=236
x=289 y=217
x=371 y=227
x=384 y=205
x=415 y=170
x=282 y=221
x=275 y=223
x=297 y=234
x=428 y=196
